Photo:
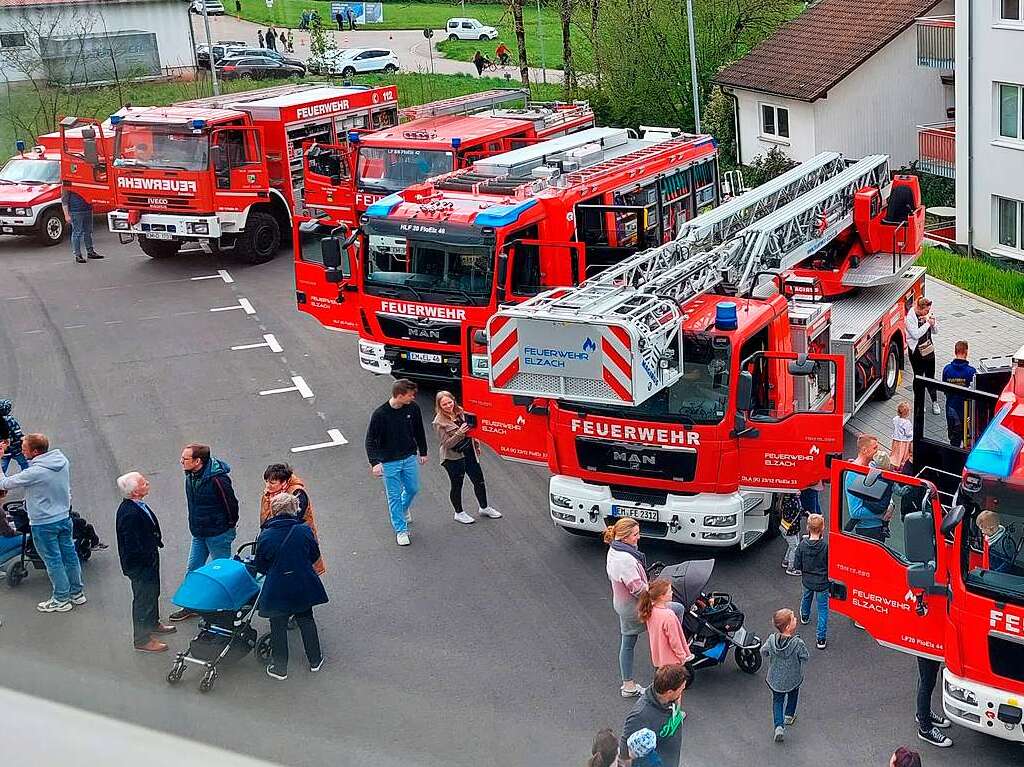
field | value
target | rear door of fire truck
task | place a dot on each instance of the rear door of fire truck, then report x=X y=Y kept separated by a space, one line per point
x=85 y=160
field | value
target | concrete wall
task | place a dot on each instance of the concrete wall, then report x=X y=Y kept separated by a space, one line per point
x=168 y=19
x=987 y=165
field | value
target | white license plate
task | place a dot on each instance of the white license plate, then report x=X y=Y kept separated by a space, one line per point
x=648 y=515
x=424 y=357
x=8 y=230
x=159 y=236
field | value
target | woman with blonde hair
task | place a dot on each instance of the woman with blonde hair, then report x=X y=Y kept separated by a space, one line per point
x=459 y=456
x=627 y=572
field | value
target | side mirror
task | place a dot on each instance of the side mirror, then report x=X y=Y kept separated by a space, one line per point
x=921 y=577
x=88 y=133
x=333 y=252
x=89 y=150
x=952 y=518
x=480 y=337
x=744 y=391
x=802 y=366
x=919 y=537
x=335 y=179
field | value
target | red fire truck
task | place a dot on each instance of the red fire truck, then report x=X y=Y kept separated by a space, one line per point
x=447 y=253
x=342 y=180
x=945 y=580
x=693 y=383
x=223 y=171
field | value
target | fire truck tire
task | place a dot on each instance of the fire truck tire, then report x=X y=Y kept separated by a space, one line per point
x=52 y=226
x=891 y=371
x=348 y=72
x=260 y=240
x=159 y=248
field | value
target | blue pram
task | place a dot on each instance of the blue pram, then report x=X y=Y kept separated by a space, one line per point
x=224 y=593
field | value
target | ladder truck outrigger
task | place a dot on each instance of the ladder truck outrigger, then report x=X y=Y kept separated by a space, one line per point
x=691 y=384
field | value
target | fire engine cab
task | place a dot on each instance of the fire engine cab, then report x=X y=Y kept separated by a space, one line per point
x=944 y=579
x=691 y=384
x=445 y=254
x=228 y=170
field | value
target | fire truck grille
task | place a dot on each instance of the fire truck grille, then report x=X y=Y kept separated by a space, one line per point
x=156 y=202
x=540 y=385
x=6 y=211
x=412 y=330
x=630 y=459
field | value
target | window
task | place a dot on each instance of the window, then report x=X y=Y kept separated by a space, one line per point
x=1009 y=111
x=774 y=121
x=1009 y=10
x=877 y=511
x=526 y=272
x=1008 y=220
x=12 y=40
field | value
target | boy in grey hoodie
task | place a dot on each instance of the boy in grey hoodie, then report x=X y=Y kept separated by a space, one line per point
x=787 y=654
x=47 y=486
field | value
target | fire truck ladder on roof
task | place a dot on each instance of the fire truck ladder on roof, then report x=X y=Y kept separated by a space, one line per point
x=473 y=102
x=639 y=302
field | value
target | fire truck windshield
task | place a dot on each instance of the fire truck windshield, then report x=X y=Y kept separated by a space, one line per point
x=388 y=169
x=700 y=397
x=20 y=171
x=994 y=560
x=426 y=270
x=161 y=146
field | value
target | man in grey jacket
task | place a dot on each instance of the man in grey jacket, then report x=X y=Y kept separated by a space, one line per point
x=47 y=486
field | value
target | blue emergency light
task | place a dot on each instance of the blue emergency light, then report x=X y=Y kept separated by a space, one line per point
x=456 y=143
x=353 y=137
x=19 y=145
x=198 y=124
x=115 y=119
x=995 y=453
x=725 y=316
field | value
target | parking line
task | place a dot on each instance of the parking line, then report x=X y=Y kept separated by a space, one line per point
x=269 y=341
x=337 y=438
x=220 y=275
x=72 y=327
x=243 y=304
x=299 y=385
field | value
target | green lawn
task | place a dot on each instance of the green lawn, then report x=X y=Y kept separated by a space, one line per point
x=24 y=117
x=985 y=278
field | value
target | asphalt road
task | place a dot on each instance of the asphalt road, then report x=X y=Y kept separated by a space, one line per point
x=493 y=644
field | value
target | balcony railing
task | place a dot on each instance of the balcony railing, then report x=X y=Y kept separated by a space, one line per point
x=936 y=42
x=936 y=149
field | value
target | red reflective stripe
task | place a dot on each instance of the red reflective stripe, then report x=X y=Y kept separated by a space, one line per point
x=612 y=354
x=504 y=346
x=618 y=388
x=621 y=334
x=498 y=323
x=508 y=373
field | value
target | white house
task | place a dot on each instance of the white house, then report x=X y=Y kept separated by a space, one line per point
x=841 y=76
x=82 y=41
x=989 y=130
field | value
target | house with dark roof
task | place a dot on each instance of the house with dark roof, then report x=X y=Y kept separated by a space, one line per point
x=841 y=76
x=94 y=41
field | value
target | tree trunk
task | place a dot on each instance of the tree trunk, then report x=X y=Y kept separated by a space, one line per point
x=595 y=8
x=568 y=70
x=517 y=20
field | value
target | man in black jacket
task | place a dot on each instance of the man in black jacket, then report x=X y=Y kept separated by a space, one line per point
x=658 y=710
x=212 y=509
x=138 y=545
x=393 y=437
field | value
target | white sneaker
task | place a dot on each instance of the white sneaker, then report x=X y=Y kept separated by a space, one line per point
x=935 y=408
x=490 y=512
x=464 y=518
x=53 y=606
x=403 y=539
x=79 y=598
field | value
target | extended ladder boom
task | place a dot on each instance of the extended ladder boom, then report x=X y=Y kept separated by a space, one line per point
x=546 y=346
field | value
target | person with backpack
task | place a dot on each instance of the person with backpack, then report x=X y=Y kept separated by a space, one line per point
x=811 y=559
x=920 y=324
x=790 y=515
x=12 y=449
x=212 y=509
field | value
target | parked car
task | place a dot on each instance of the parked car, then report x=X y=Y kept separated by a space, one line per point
x=221 y=48
x=264 y=53
x=213 y=7
x=353 y=61
x=469 y=29
x=257 y=68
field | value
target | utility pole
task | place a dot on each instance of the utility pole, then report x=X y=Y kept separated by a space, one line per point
x=209 y=47
x=540 y=39
x=693 y=65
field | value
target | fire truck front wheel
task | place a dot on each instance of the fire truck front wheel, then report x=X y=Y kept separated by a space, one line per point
x=51 y=227
x=159 y=248
x=261 y=238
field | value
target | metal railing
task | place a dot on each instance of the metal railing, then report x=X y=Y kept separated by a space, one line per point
x=936 y=149
x=936 y=42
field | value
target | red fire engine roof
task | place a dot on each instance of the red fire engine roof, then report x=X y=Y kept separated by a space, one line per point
x=438 y=132
x=700 y=312
x=177 y=114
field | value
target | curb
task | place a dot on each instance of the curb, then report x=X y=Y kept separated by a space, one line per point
x=975 y=296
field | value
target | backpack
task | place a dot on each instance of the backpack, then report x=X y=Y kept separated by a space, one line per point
x=790 y=514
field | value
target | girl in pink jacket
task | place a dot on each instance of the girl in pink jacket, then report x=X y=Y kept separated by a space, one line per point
x=668 y=643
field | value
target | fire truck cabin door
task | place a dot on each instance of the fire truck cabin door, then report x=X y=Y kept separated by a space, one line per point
x=874 y=515
x=85 y=160
x=334 y=304
x=328 y=180
x=237 y=159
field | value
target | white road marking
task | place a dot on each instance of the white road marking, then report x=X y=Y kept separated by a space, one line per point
x=299 y=385
x=30 y=332
x=114 y=322
x=72 y=327
x=243 y=304
x=220 y=275
x=337 y=438
x=15 y=298
x=269 y=342
x=183 y=314
x=153 y=317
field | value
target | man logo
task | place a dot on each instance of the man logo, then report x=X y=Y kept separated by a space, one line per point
x=589 y=345
x=633 y=459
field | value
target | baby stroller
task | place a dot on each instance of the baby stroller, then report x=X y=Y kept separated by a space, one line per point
x=712 y=623
x=18 y=552
x=224 y=593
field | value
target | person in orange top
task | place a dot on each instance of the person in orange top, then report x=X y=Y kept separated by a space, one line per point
x=280 y=478
x=668 y=643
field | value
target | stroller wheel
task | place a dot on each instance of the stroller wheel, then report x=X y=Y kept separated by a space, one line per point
x=263 y=649
x=175 y=674
x=208 y=680
x=16 y=573
x=748 y=659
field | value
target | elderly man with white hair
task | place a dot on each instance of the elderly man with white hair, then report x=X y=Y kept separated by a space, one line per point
x=138 y=545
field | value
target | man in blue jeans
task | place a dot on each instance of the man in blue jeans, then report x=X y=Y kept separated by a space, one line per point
x=47 y=486
x=78 y=213
x=394 y=436
x=212 y=509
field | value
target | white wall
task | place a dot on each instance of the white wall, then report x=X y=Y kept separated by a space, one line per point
x=168 y=19
x=801 y=142
x=998 y=164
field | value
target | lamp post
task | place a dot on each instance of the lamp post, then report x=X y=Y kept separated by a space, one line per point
x=209 y=48
x=693 y=65
x=540 y=39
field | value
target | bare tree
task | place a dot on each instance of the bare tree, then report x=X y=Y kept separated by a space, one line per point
x=517 y=22
x=568 y=67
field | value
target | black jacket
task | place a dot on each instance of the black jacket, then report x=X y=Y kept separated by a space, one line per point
x=811 y=559
x=395 y=433
x=212 y=506
x=138 y=537
x=665 y=720
x=291 y=585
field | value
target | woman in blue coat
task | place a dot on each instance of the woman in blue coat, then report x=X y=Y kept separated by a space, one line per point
x=285 y=552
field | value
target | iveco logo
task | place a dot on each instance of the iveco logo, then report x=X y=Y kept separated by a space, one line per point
x=633 y=459
x=589 y=345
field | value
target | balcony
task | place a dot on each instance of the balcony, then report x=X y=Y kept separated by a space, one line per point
x=936 y=42
x=936 y=149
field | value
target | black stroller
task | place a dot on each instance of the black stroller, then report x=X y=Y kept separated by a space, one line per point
x=17 y=552
x=712 y=623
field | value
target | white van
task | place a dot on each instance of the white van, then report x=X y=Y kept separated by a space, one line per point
x=469 y=29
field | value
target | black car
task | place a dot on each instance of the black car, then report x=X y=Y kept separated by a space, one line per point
x=265 y=53
x=257 y=68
